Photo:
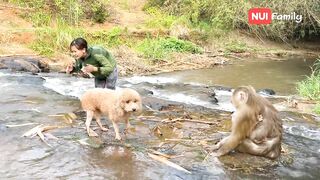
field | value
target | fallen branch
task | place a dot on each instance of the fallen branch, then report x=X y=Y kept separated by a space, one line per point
x=68 y=117
x=160 y=154
x=164 y=155
x=150 y=108
x=32 y=131
x=42 y=137
x=188 y=120
x=10 y=55
x=19 y=125
x=177 y=140
x=16 y=7
x=147 y=118
x=167 y=162
x=38 y=131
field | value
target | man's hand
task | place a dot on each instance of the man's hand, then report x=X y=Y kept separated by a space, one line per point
x=69 y=68
x=89 y=68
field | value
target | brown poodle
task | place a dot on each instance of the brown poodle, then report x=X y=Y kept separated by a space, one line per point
x=116 y=105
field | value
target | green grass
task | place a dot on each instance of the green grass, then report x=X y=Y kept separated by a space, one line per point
x=159 y=19
x=236 y=47
x=310 y=87
x=159 y=48
x=112 y=38
x=50 y=40
x=317 y=108
x=229 y=15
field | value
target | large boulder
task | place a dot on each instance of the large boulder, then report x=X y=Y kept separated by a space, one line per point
x=31 y=64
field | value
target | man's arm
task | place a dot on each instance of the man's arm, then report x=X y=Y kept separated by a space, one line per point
x=107 y=66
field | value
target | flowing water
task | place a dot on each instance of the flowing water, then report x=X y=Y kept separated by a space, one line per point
x=37 y=99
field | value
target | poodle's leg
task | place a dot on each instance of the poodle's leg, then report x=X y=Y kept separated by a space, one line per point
x=116 y=130
x=98 y=119
x=128 y=124
x=88 y=122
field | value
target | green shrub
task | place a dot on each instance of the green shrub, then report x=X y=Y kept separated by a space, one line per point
x=230 y=14
x=236 y=47
x=71 y=11
x=317 y=108
x=159 y=48
x=310 y=88
x=159 y=19
x=113 y=37
x=51 y=40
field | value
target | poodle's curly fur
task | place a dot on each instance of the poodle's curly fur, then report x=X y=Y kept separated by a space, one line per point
x=117 y=105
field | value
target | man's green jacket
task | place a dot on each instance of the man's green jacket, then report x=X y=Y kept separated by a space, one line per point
x=98 y=57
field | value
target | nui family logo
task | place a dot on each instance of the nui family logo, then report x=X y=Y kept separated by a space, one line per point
x=265 y=16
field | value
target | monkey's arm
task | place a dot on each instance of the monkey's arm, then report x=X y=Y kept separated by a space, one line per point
x=226 y=145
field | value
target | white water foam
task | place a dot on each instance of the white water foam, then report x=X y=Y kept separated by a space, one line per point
x=150 y=79
x=70 y=87
x=186 y=99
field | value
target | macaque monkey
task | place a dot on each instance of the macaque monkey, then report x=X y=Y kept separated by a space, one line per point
x=256 y=126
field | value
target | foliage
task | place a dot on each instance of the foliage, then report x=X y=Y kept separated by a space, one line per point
x=317 y=108
x=159 y=19
x=231 y=14
x=310 y=87
x=71 y=11
x=50 y=40
x=236 y=47
x=113 y=37
x=159 y=48
x=96 y=10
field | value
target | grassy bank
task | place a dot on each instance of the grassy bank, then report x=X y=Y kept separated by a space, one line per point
x=310 y=87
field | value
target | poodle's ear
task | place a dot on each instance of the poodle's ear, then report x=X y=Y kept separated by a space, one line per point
x=140 y=103
x=121 y=102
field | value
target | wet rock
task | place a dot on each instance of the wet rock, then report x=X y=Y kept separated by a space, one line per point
x=144 y=92
x=212 y=97
x=24 y=63
x=266 y=92
x=222 y=88
x=2 y=128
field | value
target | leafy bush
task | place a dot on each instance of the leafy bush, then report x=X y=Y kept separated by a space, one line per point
x=230 y=14
x=159 y=19
x=236 y=47
x=71 y=11
x=317 y=108
x=113 y=37
x=159 y=48
x=310 y=87
x=51 y=40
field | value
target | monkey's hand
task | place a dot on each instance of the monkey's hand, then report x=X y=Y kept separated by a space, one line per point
x=216 y=154
x=215 y=147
